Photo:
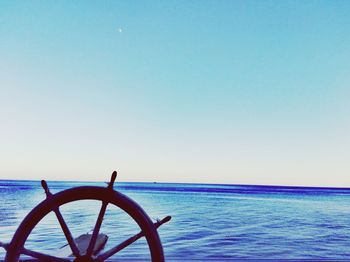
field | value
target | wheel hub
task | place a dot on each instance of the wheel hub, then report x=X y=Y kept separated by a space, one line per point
x=85 y=259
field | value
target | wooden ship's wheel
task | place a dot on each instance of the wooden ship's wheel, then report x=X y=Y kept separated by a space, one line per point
x=107 y=196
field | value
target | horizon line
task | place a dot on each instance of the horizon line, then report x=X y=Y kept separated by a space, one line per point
x=188 y=183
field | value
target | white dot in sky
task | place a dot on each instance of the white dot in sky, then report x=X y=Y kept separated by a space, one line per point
x=120 y=29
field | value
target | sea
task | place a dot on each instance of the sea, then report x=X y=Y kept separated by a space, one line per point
x=209 y=222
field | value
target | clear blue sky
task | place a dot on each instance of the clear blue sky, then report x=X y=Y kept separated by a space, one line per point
x=250 y=92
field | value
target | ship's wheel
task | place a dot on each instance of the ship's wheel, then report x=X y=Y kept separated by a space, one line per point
x=106 y=196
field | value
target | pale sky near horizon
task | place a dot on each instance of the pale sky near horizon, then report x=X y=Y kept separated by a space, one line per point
x=238 y=92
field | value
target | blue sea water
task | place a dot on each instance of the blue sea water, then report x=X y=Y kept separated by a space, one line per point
x=209 y=222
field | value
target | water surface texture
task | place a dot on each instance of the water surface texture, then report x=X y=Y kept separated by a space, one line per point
x=209 y=222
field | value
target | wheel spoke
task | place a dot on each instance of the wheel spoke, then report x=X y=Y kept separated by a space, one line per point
x=90 y=249
x=129 y=241
x=41 y=256
x=67 y=233
x=119 y=247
